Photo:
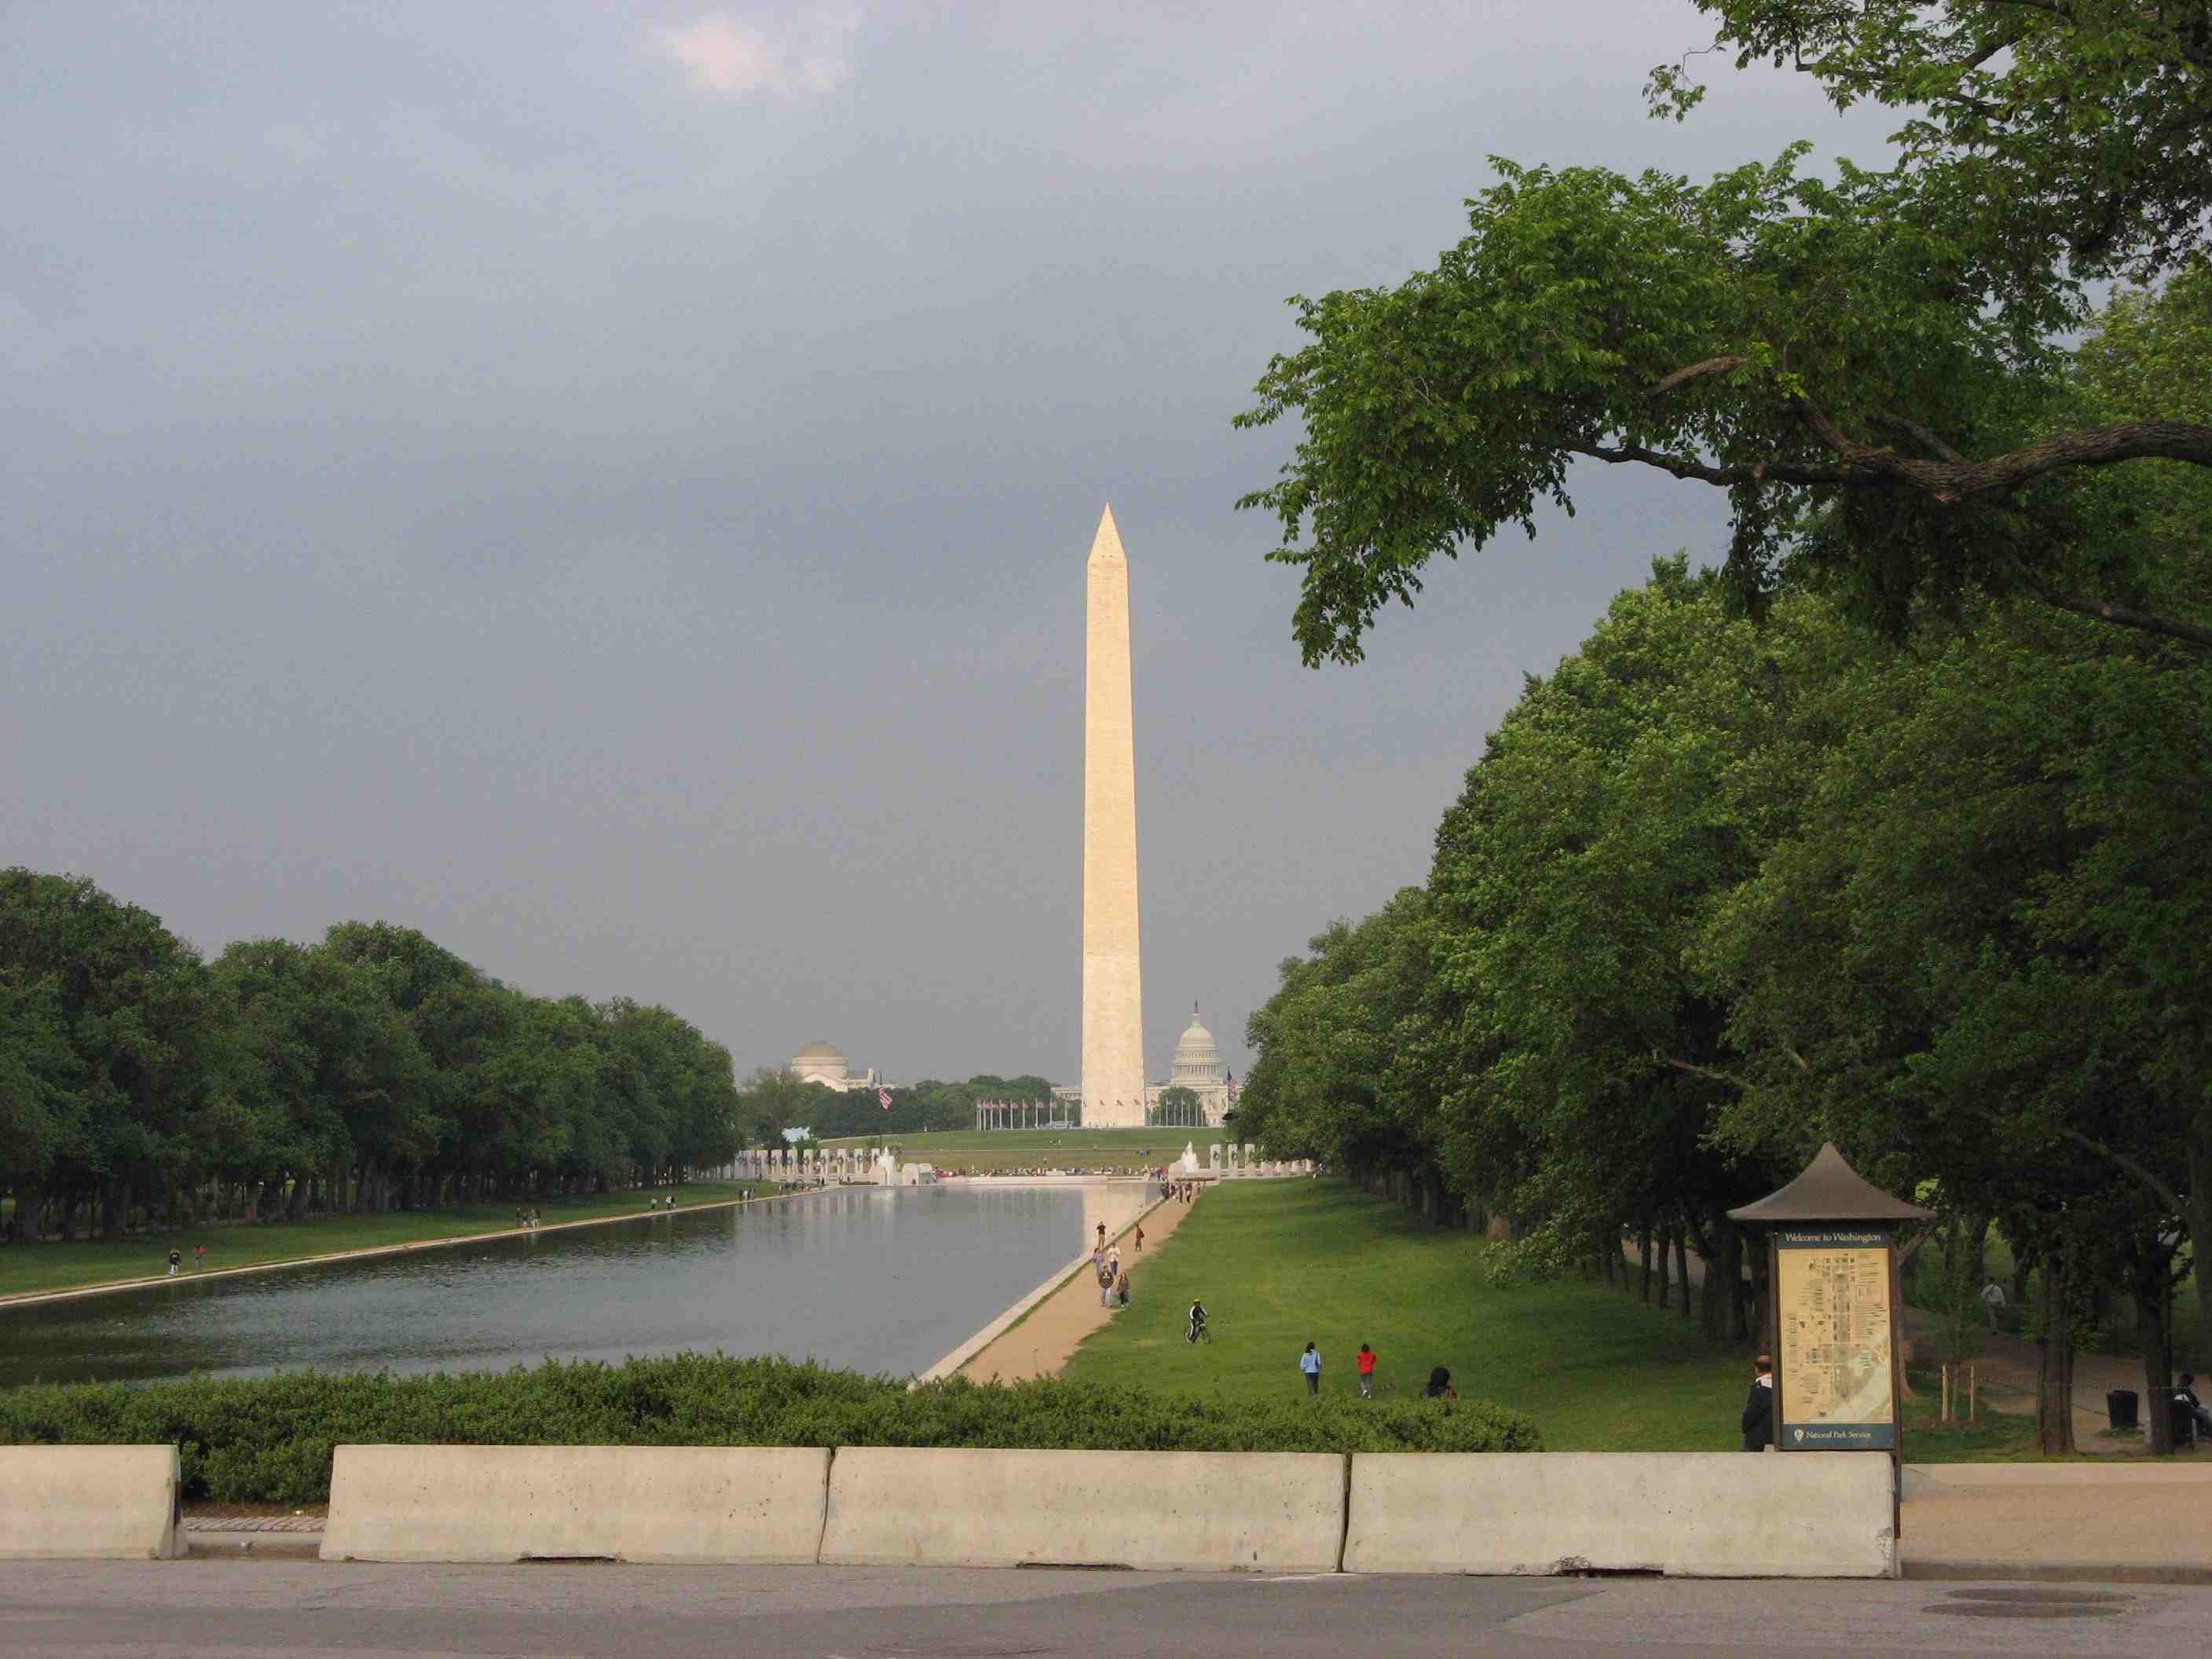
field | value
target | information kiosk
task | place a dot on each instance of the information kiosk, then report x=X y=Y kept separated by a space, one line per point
x=1831 y=1309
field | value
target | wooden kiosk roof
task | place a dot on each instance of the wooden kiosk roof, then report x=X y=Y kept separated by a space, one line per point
x=1828 y=1189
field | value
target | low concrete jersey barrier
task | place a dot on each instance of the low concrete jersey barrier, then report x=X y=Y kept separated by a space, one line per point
x=1201 y=1512
x=89 y=1502
x=665 y=1503
x=1719 y=1515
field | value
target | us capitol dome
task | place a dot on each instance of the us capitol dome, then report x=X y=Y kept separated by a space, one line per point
x=1199 y=1068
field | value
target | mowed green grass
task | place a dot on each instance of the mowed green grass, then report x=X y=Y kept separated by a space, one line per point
x=56 y=1267
x=1281 y=1263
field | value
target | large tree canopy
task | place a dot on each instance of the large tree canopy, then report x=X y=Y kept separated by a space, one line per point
x=1875 y=366
x=2073 y=126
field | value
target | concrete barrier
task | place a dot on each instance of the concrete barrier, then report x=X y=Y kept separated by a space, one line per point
x=111 y=1502
x=1714 y=1514
x=665 y=1504
x=1201 y=1511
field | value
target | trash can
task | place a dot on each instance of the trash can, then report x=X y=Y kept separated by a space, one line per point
x=2120 y=1406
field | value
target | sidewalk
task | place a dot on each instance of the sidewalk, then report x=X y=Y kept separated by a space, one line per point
x=2124 y=1524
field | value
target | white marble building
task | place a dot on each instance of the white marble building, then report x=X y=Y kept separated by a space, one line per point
x=826 y=1063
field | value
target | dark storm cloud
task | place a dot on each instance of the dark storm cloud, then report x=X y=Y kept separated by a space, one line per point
x=609 y=486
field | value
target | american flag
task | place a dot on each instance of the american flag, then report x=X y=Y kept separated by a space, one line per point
x=883 y=1098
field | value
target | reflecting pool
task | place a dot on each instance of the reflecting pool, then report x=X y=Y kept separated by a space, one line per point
x=869 y=1279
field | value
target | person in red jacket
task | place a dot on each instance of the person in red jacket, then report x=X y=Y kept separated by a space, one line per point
x=1365 y=1362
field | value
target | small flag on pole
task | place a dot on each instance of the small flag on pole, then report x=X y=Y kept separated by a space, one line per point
x=883 y=1098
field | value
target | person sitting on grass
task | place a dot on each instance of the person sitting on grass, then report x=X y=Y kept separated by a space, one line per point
x=2185 y=1394
x=1440 y=1386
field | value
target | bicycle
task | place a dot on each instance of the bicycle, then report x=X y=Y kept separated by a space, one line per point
x=1195 y=1333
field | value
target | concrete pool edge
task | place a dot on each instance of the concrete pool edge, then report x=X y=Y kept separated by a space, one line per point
x=31 y=1298
x=950 y=1364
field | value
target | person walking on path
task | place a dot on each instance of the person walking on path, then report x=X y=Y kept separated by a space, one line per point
x=199 y=1258
x=1309 y=1362
x=1993 y=1301
x=1365 y=1365
x=176 y=1260
x=1141 y=1235
x=1105 y=1279
x=1122 y=1287
x=1759 y=1409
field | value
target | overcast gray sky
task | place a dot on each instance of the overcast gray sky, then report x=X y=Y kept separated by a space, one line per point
x=608 y=484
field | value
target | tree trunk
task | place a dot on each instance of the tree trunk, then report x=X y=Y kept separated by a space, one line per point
x=2054 y=1380
x=1644 y=1263
x=2152 y=1324
x=1760 y=1290
x=1732 y=1264
x=1665 y=1246
x=23 y=1228
x=1975 y=1259
x=1682 y=1265
x=2199 y=1217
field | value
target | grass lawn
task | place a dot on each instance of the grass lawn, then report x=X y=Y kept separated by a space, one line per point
x=1993 y=1437
x=104 y=1260
x=1280 y=1263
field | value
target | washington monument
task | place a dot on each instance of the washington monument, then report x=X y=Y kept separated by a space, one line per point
x=1113 y=987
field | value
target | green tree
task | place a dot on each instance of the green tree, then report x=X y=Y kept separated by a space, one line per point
x=1874 y=368
x=332 y=1070
x=2034 y=126
x=147 y=1048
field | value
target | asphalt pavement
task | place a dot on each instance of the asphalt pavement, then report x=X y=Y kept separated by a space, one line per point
x=223 y=1609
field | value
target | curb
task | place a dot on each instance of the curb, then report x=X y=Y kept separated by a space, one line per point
x=253 y=1546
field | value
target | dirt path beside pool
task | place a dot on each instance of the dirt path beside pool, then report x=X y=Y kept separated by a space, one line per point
x=1042 y=1343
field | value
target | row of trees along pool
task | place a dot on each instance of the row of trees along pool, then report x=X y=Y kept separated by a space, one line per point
x=1892 y=830
x=371 y=1070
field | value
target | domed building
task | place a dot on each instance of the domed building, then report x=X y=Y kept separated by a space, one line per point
x=1199 y=1068
x=826 y=1063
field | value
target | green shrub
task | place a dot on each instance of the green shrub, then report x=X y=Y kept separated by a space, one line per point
x=268 y=1439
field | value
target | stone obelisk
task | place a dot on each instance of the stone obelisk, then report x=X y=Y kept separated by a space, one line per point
x=1113 y=988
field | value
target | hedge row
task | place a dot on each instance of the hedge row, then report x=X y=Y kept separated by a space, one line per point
x=269 y=1439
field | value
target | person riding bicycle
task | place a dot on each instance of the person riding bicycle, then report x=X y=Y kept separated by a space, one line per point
x=1197 y=1327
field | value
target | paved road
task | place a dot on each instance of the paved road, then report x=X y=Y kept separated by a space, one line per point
x=183 y=1610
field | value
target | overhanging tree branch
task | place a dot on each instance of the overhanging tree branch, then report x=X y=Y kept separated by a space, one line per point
x=2121 y=1161
x=2172 y=628
x=1788 y=472
x=1711 y=366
